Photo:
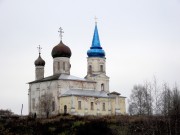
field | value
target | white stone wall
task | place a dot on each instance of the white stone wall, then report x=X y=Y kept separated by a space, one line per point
x=101 y=80
x=36 y=90
x=39 y=72
x=96 y=63
x=97 y=74
x=112 y=106
x=61 y=65
x=57 y=88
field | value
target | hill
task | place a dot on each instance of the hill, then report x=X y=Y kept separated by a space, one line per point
x=89 y=125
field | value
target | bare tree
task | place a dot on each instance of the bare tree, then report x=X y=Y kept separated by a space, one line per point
x=156 y=94
x=166 y=100
x=175 y=101
x=148 y=98
x=133 y=109
x=135 y=102
x=44 y=105
x=140 y=102
x=166 y=103
x=175 y=110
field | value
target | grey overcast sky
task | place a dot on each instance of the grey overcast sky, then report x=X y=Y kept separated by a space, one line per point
x=141 y=39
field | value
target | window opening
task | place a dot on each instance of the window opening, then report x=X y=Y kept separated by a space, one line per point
x=92 y=106
x=33 y=103
x=63 y=65
x=65 y=109
x=53 y=106
x=58 y=66
x=90 y=69
x=79 y=105
x=104 y=107
x=101 y=68
x=102 y=86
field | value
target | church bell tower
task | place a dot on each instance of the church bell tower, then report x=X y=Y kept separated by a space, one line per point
x=96 y=63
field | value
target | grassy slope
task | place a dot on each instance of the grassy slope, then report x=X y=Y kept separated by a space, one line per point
x=72 y=125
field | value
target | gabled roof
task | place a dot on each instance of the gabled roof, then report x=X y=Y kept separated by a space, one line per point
x=61 y=77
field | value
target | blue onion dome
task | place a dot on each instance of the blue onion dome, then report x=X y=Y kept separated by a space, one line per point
x=61 y=50
x=39 y=61
x=96 y=49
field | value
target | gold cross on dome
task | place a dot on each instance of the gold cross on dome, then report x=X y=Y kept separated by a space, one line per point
x=60 y=33
x=39 y=49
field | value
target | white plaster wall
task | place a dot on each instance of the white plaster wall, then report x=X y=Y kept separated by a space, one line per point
x=110 y=105
x=39 y=72
x=95 y=62
x=96 y=74
x=102 y=80
x=56 y=87
x=60 y=86
x=39 y=89
x=59 y=70
x=65 y=85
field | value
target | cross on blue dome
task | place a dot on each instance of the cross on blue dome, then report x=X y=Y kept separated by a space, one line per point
x=96 y=49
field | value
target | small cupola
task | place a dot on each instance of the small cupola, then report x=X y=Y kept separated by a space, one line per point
x=39 y=66
x=39 y=61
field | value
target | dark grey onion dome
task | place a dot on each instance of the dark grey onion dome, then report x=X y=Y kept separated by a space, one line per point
x=61 y=50
x=39 y=61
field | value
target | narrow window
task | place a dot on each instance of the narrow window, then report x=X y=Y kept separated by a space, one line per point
x=101 y=68
x=104 y=107
x=102 y=86
x=92 y=106
x=79 y=105
x=58 y=66
x=63 y=65
x=90 y=69
x=33 y=103
x=65 y=109
x=53 y=106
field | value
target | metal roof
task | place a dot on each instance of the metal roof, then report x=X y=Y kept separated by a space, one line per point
x=88 y=93
x=61 y=77
x=71 y=77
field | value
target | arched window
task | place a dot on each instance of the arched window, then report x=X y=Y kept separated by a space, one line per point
x=65 y=109
x=33 y=103
x=101 y=68
x=53 y=106
x=102 y=86
x=79 y=105
x=92 y=106
x=63 y=65
x=104 y=107
x=58 y=65
x=90 y=69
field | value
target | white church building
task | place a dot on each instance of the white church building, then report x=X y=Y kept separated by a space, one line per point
x=63 y=93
